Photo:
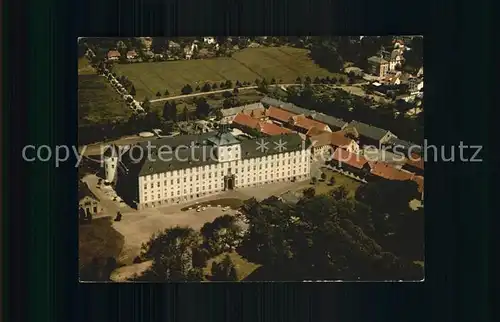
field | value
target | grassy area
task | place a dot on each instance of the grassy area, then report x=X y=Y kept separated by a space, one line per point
x=215 y=100
x=98 y=239
x=98 y=102
x=281 y=63
x=233 y=203
x=243 y=267
x=84 y=67
x=340 y=180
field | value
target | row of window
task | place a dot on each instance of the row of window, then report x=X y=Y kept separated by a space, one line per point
x=225 y=165
x=216 y=185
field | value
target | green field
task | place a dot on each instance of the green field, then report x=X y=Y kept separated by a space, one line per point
x=98 y=239
x=243 y=267
x=285 y=63
x=340 y=180
x=98 y=102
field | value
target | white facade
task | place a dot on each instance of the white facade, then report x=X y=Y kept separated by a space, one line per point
x=231 y=172
x=110 y=167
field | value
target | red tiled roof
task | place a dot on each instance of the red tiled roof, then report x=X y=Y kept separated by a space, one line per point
x=256 y=113
x=279 y=114
x=131 y=53
x=306 y=123
x=314 y=131
x=415 y=161
x=272 y=129
x=246 y=120
x=387 y=171
x=336 y=139
x=352 y=159
x=113 y=53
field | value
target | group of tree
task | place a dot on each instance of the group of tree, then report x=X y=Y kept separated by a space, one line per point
x=170 y=111
x=322 y=237
x=98 y=270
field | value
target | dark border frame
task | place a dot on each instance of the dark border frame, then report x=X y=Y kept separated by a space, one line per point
x=38 y=208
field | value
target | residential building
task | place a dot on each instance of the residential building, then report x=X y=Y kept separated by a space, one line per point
x=414 y=163
x=269 y=128
x=368 y=134
x=334 y=123
x=289 y=107
x=303 y=124
x=397 y=145
x=219 y=162
x=228 y=114
x=378 y=66
x=131 y=54
x=245 y=122
x=87 y=200
x=325 y=143
x=280 y=115
x=387 y=171
x=350 y=162
x=113 y=55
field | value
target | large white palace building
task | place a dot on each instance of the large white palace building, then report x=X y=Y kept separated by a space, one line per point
x=206 y=164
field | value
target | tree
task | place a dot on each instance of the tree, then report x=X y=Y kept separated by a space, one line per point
x=341 y=80
x=172 y=252
x=323 y=176
x=332 y=181
x=146 y=105
x=339 y=193
x=158 y=94
x=132 y=90
x=221 y=235
x=298 y=80
x=229 y=84
x=170 y=111
x=309 y=192
x=227 y=94
x=197 y=88
x=206 y=87
x=257 y=81
x=202 y=107
x=273 y=81
x=317 y=80
x=238 y=84
x=224 y=271
x=235 y=91
x=166 y=92
x=214 y=86
x=187 y=89
x=185 y=113
x=333 y=80
x=314 y=180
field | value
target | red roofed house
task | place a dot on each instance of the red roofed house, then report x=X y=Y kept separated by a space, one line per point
x=277 y=114
x=131 y=54
x=350 y=162
x=113 y=55
x=314 y=131
x=257 y=113
x=245 y=122
x=329 y=141
x=272 y=129
x=415 y=164
x=303 y=124
x=386 y=171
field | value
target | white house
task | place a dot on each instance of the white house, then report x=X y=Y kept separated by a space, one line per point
x=221 y=162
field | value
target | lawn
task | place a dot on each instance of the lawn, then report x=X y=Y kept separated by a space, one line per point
x=84 y=67
x=285 y=63
x=216 y=101
x=340 y=180
x=98 y=102
x=98 y=239
x=243 y=267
